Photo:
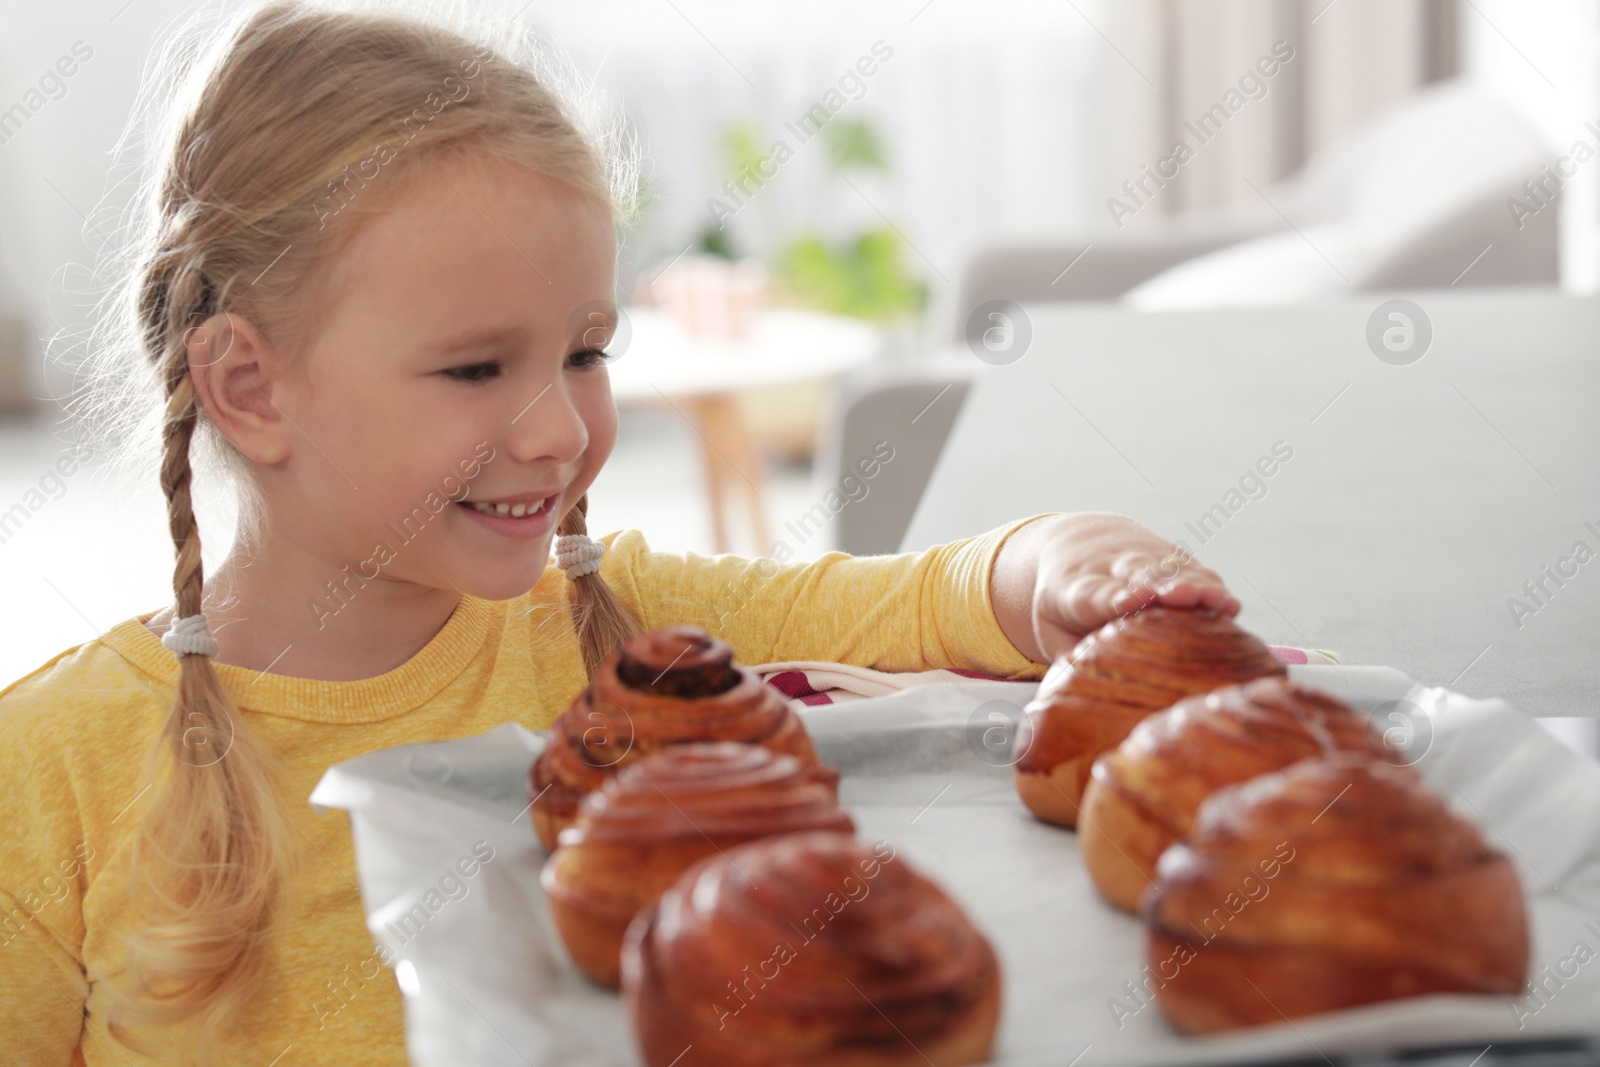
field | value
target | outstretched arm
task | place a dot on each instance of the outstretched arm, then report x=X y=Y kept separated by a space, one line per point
x=1063 y=576
x=910 y=611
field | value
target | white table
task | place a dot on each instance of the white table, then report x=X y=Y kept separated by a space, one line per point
x=701 y=378
x=1418 y=501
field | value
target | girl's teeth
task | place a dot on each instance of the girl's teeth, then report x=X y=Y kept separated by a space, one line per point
x=516 y=511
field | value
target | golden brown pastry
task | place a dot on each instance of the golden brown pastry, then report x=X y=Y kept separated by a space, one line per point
x=808 y=950
x=1143 y=795
x=664 y=688
x=1128 y=669
x=1337 y=882
x=652 y=821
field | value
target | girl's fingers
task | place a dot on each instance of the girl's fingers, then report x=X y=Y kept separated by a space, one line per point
x=1085 y=601
x=1088 y=601
x=1132 y=564
x=1181 y=594
x=1198 y=594
x=1129 y=599
x=1222 y=601
x=1084 y=604
x=1126 y=600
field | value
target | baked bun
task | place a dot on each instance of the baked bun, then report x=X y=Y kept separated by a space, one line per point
x=808 y=950
x=1337 y=882
x=652 y=821
x=1128 y=669
x=1143 y=795
x=669 y=687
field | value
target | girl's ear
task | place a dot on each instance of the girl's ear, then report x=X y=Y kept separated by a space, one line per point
x=238 y=377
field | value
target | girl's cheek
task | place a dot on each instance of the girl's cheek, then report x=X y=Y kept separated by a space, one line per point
x=603 y=430
x=602 y=437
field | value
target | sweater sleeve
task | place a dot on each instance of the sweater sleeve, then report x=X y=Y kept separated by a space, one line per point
x=911 y=611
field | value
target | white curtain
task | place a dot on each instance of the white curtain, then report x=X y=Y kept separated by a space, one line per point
x=986 y=112
x=1174 y=61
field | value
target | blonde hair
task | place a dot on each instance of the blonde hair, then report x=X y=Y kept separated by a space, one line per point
x=260 y=124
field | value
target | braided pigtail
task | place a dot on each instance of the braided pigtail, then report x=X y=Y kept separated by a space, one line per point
x=212 y=853
x=602 y=620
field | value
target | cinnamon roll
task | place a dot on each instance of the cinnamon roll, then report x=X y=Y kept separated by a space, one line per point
x=653 y=820
x=1337 y=882
x=664 y=688
x=808 y=950
x=1129 y=668
x=1143 y=795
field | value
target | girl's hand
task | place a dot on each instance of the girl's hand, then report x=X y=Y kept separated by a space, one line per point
x=1097 y=567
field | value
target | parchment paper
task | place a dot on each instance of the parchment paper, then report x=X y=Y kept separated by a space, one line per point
x=487 y=981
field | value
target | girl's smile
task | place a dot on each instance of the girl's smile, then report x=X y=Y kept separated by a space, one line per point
x=526 y=517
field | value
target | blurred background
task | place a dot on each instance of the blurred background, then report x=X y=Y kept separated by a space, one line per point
x=834 y=192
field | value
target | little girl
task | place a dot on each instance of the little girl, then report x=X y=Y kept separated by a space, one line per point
x=376 y=275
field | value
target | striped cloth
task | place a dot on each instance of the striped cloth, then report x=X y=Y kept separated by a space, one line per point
x=808 y=682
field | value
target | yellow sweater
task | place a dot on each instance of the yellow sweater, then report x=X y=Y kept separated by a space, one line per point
x=74 y=735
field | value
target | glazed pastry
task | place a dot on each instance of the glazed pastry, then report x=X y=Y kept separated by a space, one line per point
x=664 y=688
x=1143 y=795
x=1126 y=670
x=652 y=821
x=1337 y=882
x=808 y=950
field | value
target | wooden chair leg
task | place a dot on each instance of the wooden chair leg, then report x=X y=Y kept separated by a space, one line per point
x=731 y=463
x=716 y=488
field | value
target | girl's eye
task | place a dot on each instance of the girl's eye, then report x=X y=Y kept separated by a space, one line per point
x=474 y=372
x=590 y=357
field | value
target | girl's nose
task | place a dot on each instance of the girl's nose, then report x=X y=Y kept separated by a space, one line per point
x=549 y=428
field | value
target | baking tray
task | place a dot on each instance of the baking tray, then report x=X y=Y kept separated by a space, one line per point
x=486 y=981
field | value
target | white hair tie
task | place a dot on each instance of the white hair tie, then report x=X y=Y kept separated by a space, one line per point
x=578 y=554
x=189 y=636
